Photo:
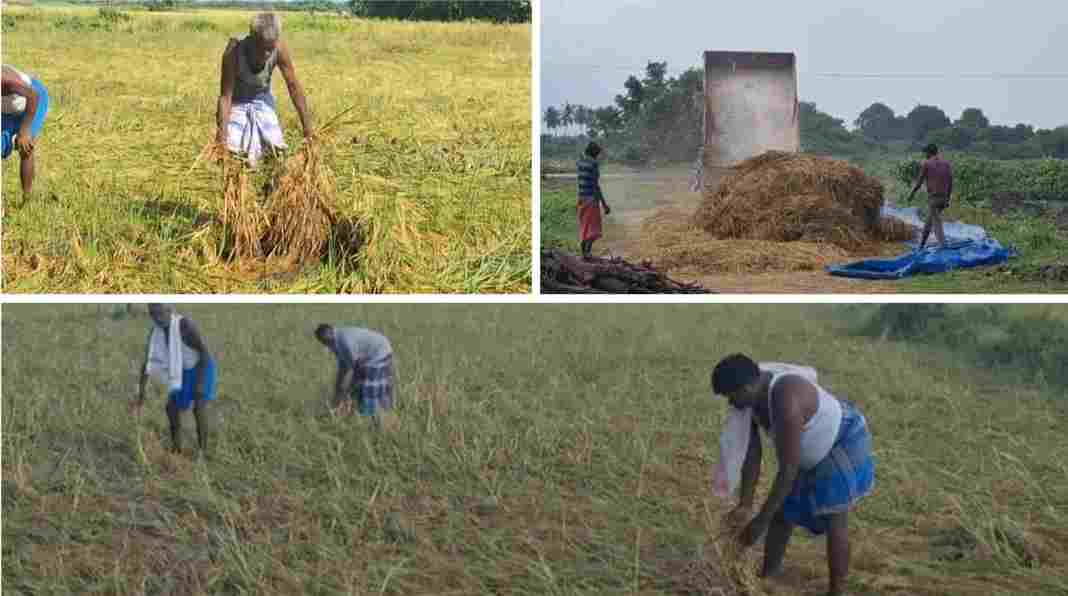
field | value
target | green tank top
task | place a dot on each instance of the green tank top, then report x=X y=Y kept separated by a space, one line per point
x=250 y=84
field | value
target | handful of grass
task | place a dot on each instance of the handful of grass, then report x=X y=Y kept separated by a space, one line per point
x=739 y=565
x=726 y=568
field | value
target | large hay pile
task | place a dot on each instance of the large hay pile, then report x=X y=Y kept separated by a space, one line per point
x=790 y=197
x=777 y=212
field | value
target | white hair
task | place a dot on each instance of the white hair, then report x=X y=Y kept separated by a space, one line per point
x=267 y=26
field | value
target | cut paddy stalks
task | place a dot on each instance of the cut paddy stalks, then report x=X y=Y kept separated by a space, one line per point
x=726 y=561
x=299 y=219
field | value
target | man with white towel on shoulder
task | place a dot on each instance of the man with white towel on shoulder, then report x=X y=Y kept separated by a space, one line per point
x=178 y=358
x=824 y=454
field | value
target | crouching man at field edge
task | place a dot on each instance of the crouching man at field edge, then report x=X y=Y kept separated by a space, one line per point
x=364 y=369
x=177 y=357
x=825 y=461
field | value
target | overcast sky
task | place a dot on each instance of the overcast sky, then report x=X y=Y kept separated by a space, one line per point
x=589 y=48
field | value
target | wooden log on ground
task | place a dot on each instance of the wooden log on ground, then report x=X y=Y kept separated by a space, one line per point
x=563 y=273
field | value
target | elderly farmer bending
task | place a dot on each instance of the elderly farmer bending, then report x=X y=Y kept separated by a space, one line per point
x=824 y=453
x=364 y=368
x=25 y=105
x=247 y=116
x=176 y=355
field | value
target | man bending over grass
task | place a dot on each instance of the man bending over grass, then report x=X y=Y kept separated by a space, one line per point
x=247 y=117
x=364 y=369
x=25 y=105
x=177 y=356
x=825 y=461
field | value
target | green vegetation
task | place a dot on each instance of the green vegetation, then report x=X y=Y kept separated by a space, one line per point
x=500 y=11
x=559 y=226
x=435 y=161
x=976 y=179
x=549 y=449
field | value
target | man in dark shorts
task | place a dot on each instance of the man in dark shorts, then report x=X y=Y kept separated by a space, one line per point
x=938 y=174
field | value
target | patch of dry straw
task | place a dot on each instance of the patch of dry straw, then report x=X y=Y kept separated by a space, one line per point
x=672 y=240
x=726 y=568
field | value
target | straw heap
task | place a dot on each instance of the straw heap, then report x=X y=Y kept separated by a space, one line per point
x=789 y=197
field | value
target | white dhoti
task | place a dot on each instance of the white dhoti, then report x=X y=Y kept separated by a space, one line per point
x=253 y=128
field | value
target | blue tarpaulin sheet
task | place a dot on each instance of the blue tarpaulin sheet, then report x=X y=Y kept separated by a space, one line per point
x=958 y=255
x=968 y=246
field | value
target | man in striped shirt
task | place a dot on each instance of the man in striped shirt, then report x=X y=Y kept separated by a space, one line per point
x=590 y=199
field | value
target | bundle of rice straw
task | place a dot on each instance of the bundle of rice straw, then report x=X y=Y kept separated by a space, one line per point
x=301 y=208
x=788 y=197
x=243 y=217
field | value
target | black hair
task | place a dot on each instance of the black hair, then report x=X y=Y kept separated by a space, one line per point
x=930 y=150
x=322 y=329
x=734 y=372
x=593 y=149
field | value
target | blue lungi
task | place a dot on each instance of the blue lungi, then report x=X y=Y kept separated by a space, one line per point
x=838 y=482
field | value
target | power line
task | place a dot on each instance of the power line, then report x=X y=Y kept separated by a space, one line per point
x=993 y=76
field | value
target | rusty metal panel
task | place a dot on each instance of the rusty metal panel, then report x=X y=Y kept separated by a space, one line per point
x=751 y=106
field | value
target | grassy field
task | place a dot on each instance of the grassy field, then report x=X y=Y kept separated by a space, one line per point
x=1038 y=239
x=435 y=161
x=551 y=449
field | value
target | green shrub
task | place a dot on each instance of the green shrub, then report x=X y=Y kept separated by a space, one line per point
x=977 y=179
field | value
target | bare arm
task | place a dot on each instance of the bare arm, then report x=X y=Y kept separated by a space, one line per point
x=227 y=77
x=788 y=421
x=597 y=189
x=296 y=90
x=919 y=181
x=751 y=467
x=343 y=383
x=191 y=336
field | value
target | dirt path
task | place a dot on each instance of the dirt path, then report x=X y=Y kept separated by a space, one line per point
x=635 y=195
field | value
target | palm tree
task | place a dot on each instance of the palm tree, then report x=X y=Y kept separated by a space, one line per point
x=568 y=117
x=552 y=119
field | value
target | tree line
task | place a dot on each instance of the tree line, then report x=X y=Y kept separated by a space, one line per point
x=660 y=117
x=499 y=11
